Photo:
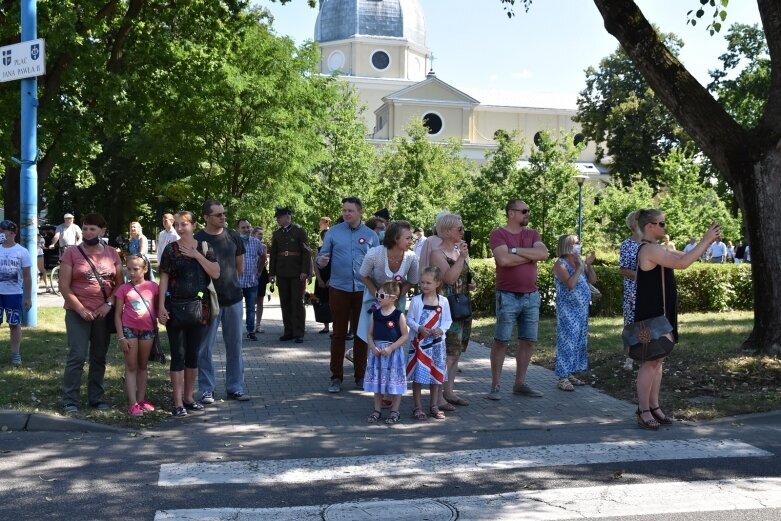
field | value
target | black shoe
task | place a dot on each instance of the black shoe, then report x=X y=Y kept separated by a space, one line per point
x=251 y=336
x=179 y=411
x=285 y=338
x=239 y=396
x=299 y=340
x=193 y=406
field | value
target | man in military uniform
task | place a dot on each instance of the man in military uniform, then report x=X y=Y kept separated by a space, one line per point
x=290 y=267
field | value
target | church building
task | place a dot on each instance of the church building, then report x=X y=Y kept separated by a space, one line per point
x=379 y=48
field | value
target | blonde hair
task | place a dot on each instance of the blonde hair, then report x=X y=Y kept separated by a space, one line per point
x=631 y=220
x=140 y=229
x=566 y=244
x=447 y=223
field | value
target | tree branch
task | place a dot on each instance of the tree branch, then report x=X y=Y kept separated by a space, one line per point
x=770 y=13
x=118 y=47
x=714 y=130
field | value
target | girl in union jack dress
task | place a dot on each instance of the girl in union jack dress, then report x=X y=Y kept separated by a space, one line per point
x=428 y=319
x=385 y=365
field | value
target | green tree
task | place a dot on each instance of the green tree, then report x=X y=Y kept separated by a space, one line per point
x=418 y=178
x=548 y=186
x=621 y=114
x=496 y=182
x=605 y=223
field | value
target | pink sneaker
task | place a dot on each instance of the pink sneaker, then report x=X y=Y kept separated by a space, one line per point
x=135 y=410
x=145 y=405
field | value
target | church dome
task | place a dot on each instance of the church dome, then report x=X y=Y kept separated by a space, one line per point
x=343 y=19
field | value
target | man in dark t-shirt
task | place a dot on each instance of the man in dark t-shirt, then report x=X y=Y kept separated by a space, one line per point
x=229 y=249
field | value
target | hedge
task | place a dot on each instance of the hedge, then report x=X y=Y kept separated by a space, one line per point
x=702 y=288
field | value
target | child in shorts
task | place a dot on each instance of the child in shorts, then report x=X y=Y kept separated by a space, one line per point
x=15 y=285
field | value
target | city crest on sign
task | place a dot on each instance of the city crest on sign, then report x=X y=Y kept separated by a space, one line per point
x=7 y=57
x=35 y=51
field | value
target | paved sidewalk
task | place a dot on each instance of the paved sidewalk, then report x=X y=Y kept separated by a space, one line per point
x=288 y=384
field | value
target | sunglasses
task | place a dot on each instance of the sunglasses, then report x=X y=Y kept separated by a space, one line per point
x=659 y=223
x=381 y=295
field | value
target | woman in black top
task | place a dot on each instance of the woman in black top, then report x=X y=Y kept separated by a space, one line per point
x=185 y=271
x=653 y=263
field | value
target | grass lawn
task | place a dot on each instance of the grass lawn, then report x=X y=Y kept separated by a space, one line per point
x=37 y=385
x=707 y=375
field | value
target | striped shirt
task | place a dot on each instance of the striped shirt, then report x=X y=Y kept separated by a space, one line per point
x=253 y=249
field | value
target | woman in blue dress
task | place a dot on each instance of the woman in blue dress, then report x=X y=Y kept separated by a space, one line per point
x=627 y=268
x=572 y=276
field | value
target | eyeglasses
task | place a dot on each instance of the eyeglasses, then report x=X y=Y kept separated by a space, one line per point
x=524 y=211
x=659 y=223
x=381 y=295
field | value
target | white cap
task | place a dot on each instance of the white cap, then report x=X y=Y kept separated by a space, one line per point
x=67 y=215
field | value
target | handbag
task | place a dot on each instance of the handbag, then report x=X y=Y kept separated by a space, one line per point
x=214 y=303
x=185 y=312
x=111 y=326
x=649 y=339
x=595 y=293
x=460 y=306
x=156 y=353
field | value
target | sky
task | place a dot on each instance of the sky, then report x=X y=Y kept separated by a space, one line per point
x=537 y=58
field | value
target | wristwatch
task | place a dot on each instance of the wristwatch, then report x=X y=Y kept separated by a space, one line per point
x=109 y=304
x=514 y=251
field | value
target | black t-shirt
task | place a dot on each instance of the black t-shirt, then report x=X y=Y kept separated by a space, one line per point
x=227 y=246
x=186 y=277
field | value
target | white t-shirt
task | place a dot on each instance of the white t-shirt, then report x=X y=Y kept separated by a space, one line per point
x=68 y=234
x=12 y=260
x=718 y=249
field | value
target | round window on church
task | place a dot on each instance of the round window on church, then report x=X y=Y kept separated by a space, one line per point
x=578 y=139
x=538 y=139
x=433 y=123
x=335 y=61
x=380 y=60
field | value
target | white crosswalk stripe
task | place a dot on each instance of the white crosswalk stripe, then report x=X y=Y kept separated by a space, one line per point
x=614 y=499
x=534 y=505
x=471 y=461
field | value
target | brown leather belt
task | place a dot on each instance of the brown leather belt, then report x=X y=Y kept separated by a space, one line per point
x=290 y=253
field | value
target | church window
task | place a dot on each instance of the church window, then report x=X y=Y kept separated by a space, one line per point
x=433 y=123
x=335 y=61
x=380 y=60
x=578 y=139
x=538 y=139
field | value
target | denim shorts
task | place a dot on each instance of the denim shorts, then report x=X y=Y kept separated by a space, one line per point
x=141 y=334
x=515 y=308
x=12 y=306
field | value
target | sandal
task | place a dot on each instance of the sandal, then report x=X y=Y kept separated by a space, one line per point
x=437 y=414
x=565 y=384
x=418 y=413
x=393 y=418
x=374 y=417
x=386 y=404
x=651 y=425
x=456 y=401
x=575 y=381
x=661 y=418
x=446 y=407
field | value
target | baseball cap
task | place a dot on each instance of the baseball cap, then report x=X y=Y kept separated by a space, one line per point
x=8 y=226
x=68 y=216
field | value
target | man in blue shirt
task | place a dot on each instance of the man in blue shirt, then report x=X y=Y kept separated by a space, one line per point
x=344 y=247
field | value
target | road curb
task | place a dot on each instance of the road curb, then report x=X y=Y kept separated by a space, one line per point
x=23 y=421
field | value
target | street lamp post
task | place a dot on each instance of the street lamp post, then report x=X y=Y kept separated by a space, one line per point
x=580 y=179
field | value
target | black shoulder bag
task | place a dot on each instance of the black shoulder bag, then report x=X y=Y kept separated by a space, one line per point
x=649 y=339
x=109 y=318
x=156 y=353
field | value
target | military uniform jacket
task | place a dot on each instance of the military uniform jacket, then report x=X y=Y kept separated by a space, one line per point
x=290 y=254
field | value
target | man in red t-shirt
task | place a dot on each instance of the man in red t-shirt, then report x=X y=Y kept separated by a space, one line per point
x=517 y=250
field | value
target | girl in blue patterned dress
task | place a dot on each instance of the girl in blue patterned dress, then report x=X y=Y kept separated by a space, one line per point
x=429 y=319
x=627 y=268
x=572 y=276
x=385 y=367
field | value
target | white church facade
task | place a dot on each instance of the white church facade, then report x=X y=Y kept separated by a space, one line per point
x=379 y=48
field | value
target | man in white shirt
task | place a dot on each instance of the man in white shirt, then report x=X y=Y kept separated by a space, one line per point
x=167 y=235
x=66 y=234
x=15 y=286
x=718 y=252
x=690 y=245
x=420 y=239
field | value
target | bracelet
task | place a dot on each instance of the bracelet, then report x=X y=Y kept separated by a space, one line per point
x=119 y=339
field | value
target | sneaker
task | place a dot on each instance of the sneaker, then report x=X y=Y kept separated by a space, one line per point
x=179 y=411
x=336 y=386
x=101 y=406
x=251 y=336
x=70 y=409
x=349 y=355
x=194 y=406
x=207 y=397
x=494 y=394
x=628 y=365
x=238 y=396
x=136 y=410
x=16 y=359
x=146 y=405
x=525 y=390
